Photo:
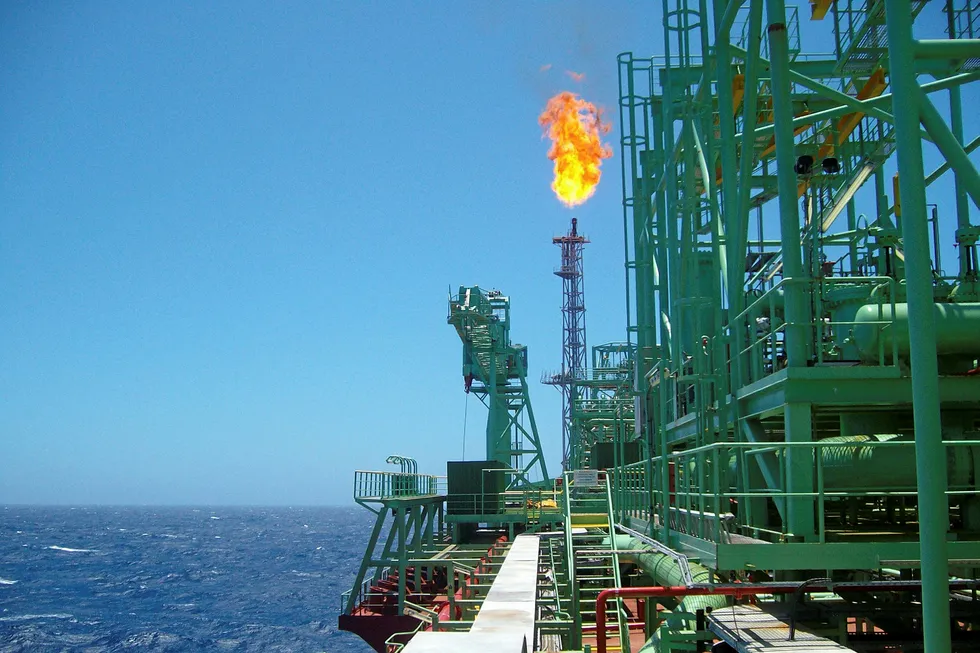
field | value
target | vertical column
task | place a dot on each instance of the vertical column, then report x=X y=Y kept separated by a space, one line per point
x=798 y=426
x=799 y=470
x=956 y=126
x=930 y=459
x=739 y=230
x=669 y=298
x=661 y=229
x=962 y=205
x=414 y=527
x=789 y=218
x=852 y=253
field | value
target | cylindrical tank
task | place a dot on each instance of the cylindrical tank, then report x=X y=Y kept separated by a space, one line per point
x=854 y=463
x=855 y=467
x=957 y=330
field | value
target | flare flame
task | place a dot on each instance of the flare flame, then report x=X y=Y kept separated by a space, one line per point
x=575 y=128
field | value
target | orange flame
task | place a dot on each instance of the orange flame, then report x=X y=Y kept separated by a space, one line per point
x=575 y=128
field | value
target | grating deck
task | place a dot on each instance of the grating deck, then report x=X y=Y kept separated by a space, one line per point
x=749 y=629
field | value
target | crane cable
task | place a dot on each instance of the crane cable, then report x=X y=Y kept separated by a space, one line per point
x=466 y=408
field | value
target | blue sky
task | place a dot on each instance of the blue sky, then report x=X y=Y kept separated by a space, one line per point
x=227 y=232
x=228 y=229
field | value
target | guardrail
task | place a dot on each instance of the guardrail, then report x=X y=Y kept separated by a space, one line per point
x=877 y=477
x=630 y=495
x=391 y=485
x=393 y=645
x=363 y=592
x=757 y=337
x=530 y=503
x=762 y=351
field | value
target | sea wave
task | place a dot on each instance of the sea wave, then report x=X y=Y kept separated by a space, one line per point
x=6 y=581
x=176 y=590
x=31 y=617
x=305 y=574
x=69 y=550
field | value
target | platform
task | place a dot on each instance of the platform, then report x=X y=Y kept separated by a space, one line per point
x=750 y=629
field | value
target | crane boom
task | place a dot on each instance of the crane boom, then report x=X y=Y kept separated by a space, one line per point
x=495 y=370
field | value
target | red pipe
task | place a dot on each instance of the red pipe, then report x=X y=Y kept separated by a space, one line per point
x=740 y=591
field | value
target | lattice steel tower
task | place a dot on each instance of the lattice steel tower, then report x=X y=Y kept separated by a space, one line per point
x=573 y=364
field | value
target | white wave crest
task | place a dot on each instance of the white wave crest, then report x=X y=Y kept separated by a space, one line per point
x=6 y=581
x=69 y=550
x=29 y=617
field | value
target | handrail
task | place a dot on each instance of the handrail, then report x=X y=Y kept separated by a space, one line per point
x=683 y=564
x=529 y=502
x=768 y=337
x=394 y=646
x=815 y=443
x=389 y=485
x=624 y=636
x=569 y=547
x=362 y=591
x=692 y=503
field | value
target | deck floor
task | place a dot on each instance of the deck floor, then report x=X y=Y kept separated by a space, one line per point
x=505 y=623
x=752 y=630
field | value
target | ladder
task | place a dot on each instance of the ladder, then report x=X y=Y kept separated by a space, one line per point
x=593 y=561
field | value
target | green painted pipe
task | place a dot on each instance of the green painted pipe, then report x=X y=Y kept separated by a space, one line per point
x=665 y=571
x=957 y=326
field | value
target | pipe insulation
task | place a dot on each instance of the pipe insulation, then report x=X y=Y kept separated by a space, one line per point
x=860 y=466
x=868 y=467
x=857 y=467
x=665 y=570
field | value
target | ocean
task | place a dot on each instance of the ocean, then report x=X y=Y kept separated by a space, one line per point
x=104 y=579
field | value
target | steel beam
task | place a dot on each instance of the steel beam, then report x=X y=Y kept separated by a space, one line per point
x=950 y=146
x=941 y=84
x=946 y=49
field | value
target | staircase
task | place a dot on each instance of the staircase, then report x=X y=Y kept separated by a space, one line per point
x=593 y=560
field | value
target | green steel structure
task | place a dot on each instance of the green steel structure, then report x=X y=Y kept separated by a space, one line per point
x=795 y=415
x=409 y=519
x=495 y=370
x=602 y=414
x=806 y=368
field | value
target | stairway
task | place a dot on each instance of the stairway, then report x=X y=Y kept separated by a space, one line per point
x=593 y=560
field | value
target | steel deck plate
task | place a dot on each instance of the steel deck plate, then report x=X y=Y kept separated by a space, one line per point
x=751 y=630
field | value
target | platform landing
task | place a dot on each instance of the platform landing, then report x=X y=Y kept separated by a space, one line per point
x=750 y=629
